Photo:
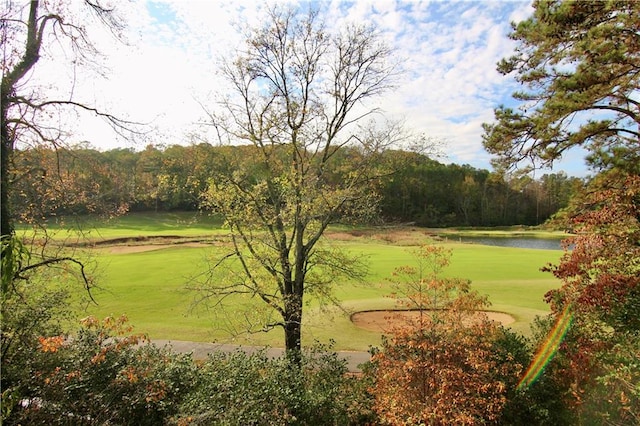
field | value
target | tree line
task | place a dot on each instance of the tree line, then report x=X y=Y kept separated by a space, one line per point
x=412 y=187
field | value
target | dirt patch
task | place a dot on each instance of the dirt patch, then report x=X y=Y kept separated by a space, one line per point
x=341 y=236
x=150 y=247
x=387 y=319
x=139 y=239
x=397 y=235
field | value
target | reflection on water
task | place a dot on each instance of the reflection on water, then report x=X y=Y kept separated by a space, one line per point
x=515 y=242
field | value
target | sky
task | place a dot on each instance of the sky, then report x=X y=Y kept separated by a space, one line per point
x=165 y=75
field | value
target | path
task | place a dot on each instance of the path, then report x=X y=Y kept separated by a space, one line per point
x=200 y=350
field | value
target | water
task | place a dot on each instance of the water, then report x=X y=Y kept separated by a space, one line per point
x=514 y=242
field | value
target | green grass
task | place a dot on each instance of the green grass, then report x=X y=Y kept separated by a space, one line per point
x=150 y=287
x=185 y=224
x=510 y=277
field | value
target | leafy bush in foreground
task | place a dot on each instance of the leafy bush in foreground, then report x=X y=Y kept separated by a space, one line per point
x=102 y=377
x=253 y=389
x=105 y=375
x=448 y=365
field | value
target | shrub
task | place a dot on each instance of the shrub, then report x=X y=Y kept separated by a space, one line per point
x=105 y=374
x=451 y=365
x=253 y=389
x=33 y=303
x=102 y=376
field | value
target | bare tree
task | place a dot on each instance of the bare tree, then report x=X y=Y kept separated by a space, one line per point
x=30 y=116
x=297 y=101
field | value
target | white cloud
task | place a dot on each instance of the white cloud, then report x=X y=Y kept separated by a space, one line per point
x=452 y=85
x=522 y=12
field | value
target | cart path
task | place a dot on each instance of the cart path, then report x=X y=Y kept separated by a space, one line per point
x=200 y=351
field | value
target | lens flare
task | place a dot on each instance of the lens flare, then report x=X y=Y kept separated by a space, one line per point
x=548 y=349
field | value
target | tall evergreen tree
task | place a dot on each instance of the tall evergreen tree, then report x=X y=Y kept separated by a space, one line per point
x=579 y=62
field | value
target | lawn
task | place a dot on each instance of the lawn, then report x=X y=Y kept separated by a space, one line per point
x=184 y=224
x=150 y=287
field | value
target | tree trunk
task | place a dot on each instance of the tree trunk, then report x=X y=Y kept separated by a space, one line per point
x=5 y=210
x=293 y=328
x=10 y=80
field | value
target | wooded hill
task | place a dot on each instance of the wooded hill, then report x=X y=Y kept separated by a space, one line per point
x=412 y=187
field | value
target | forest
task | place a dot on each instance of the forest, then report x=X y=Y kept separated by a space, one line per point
x=412 y=189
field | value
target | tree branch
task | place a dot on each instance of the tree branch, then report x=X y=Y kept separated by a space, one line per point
x=87 y=285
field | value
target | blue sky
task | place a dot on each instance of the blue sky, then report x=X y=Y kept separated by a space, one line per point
x=448 y=52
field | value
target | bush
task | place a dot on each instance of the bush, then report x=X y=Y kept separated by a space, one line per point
x=106 y=375
x=450 y=364
x=32 y=304
x=103 y=377
x=537 y=404
x=253 y=389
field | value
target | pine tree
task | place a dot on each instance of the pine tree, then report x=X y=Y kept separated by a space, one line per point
x=579 y=63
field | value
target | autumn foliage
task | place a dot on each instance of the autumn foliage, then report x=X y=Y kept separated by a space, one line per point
x=99 y=376
x=445 y=367
x=577 y=62
x=601 y=281
x=601 y=272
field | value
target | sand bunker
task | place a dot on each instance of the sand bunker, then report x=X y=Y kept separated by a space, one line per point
x=385 y=320
x=150 y=247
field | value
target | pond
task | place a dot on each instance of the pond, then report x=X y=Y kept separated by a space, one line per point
x=514 y=242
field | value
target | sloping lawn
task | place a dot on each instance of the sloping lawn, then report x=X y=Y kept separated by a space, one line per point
x=151 y=287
